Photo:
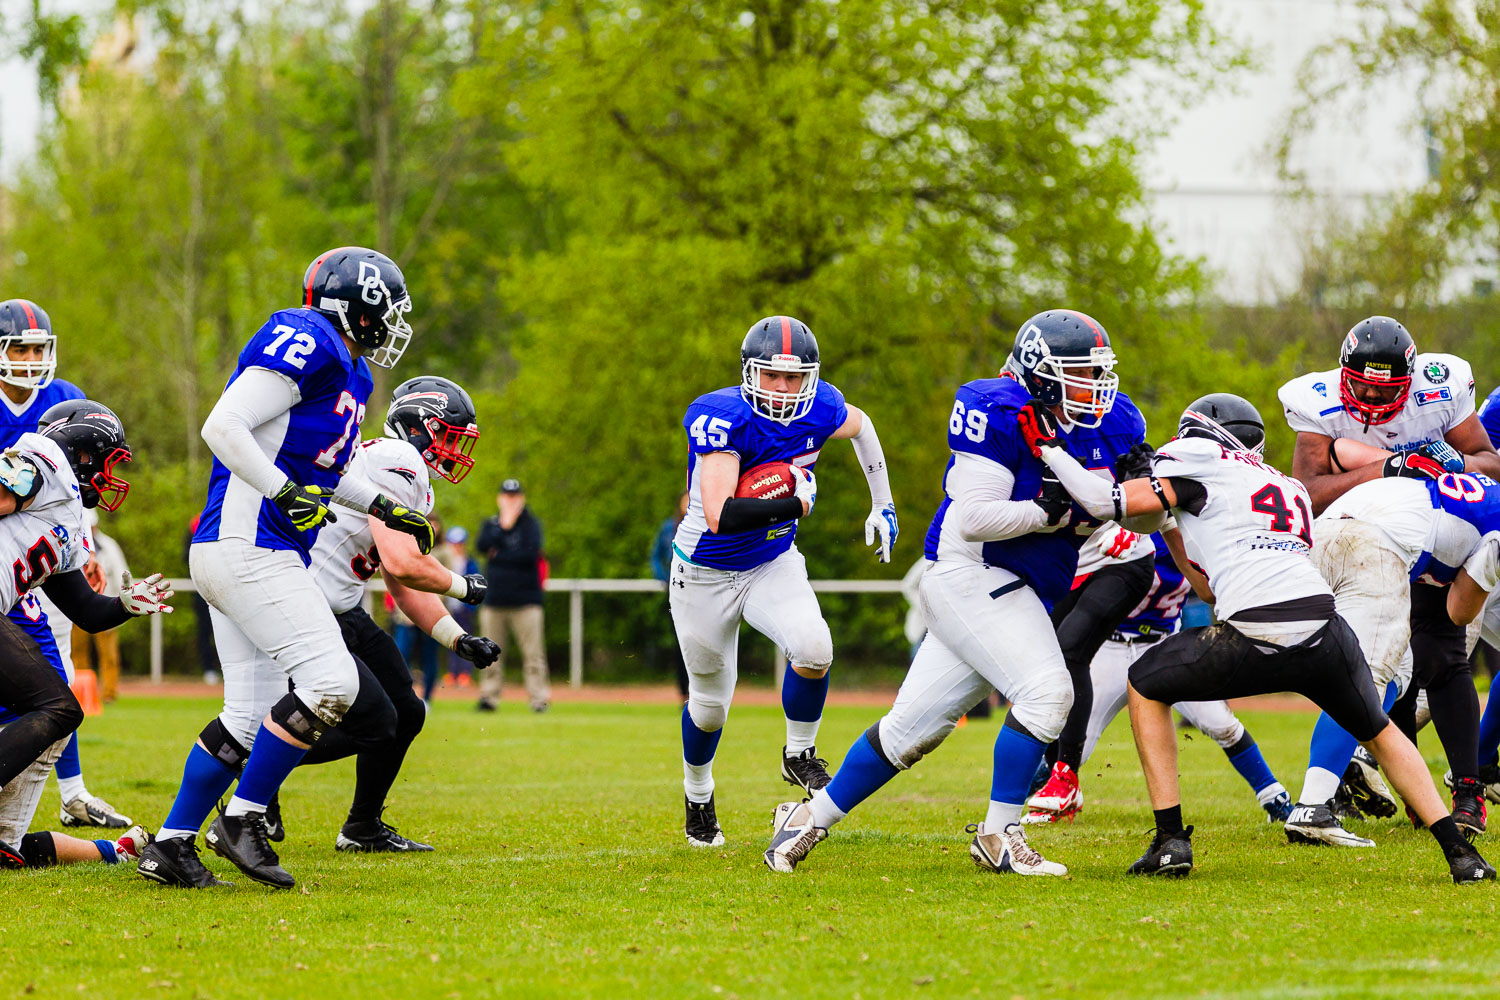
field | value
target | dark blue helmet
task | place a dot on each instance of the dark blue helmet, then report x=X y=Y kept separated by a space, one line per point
x=784 y=345
x=1229 y=420
x=363 y=293
x=23 y=323
x=1061 y=350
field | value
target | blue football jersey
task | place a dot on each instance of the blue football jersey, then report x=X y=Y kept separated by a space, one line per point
x=1489 y=416
x=17 y=420
x=983 y=423
x=312 y=444
x=1474 y=501
x=724 y=421
x=1161 y=610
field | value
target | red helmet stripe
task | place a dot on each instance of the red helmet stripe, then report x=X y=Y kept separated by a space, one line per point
x=311 y=275
x=1098 y=333
x=786 y=335
x=30 y=313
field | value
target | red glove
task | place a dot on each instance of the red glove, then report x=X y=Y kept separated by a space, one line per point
x=1038 y=426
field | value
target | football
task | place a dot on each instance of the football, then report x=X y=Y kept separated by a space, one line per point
x=770 y=481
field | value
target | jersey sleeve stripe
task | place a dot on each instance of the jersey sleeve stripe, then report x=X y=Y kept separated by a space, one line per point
x=1331 y=409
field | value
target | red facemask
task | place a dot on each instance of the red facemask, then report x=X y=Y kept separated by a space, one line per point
x=1372 y=413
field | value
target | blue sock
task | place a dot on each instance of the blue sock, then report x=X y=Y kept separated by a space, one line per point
x=271 y=760
x=1489 y=727
x=67 y=764
x=1331 y=747
x=801 y=698
x=698 y=747
x=1253 y=767
x=204 y=779
x=1016 y=758
x=107 y=852
x=863 y=772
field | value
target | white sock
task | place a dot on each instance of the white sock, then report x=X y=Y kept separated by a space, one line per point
x=1319 y=786
x=169 y=834
x=1001 y=815
x=698 y=781
x=824 y=812
x=800 y=736
x=241 y=807
x=72 y=788
x=1269 y=792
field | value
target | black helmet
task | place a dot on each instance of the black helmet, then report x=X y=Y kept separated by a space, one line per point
x=24 y=322
x=93 y=438
x=437 y=418
x=1229 y=420
x=1050 y=348
x=779 y=344
x=1377 y=353
x=363 y=293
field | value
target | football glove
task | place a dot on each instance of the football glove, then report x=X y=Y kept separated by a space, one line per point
x=1432 y=460
x=881 y=530
x=1054 y=501
x=147 y=597
x=306 y=506
x=807 y=487
x=477 y=587
x=1135 y=463
x=477 y=650
x=1038 y=426
x=406 y=520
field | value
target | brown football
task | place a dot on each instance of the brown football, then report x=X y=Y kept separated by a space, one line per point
x=770 y=481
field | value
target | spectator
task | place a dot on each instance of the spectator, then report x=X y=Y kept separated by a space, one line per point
x=512 y=542
x=661 y=565
x=455 y=555
x=100 y=651
x=208 y=653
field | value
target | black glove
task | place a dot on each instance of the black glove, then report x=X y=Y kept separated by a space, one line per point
x=1135 y=463
x=405 y=519
x=1038 y=426
x=477 y=650
x=477 y=586
x=1054 y=501
x=307 y=506
x=1430 y=460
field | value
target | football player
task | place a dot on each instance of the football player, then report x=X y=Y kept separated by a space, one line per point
x=282 y=435
x=1247 y=532
x=28 y=383
x=1157 y=616
x=1387 y=396
x=735 y=558
x=1001 y=553
x=430 y=425
x=47 y=480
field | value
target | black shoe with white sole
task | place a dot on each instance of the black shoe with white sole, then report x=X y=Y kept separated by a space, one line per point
x=377 y=837
x=243 y=840
x=1170 y=853
x=806 y=769
x=1318 y=825
x=1468 y=866
x=1363 y=785
x=1468 y=806
x=703 y=824
x=175 y=862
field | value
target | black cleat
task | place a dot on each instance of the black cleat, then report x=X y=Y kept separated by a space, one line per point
x=377 y=837
x=10 y=858
x=1468 y=867
x=1468 y=806
x=274 y=828
x=806 y=770
x=703 y=824
x=175 y=862
x=243 y=841
x=1169 y=854
x=1363 y=786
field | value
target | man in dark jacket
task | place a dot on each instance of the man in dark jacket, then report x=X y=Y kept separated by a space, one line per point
x=512 y=542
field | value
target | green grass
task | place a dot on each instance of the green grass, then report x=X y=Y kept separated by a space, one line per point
x=562 y=871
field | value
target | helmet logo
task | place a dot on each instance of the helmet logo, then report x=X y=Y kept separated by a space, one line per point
x=1411 y=357
x=370 y=284
x=440 y=398
x=786 y=359
x=1378 y=372
x=1031 y=346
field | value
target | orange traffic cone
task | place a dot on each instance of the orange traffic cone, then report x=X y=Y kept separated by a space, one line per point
x=86 y=689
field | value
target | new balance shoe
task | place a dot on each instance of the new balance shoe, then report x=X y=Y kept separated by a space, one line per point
x=243 y=841
x=1061 y=795
x=806 y=769
x=1170 y=854
x=1363 y=785
x=1468 y=806
x=130 y=844
x=274 y=828
x=1008 y=852
x=1318 y=825
x=792 y=836
x=703 y=824
x=1468 y=866
x=377 y=837
x=175 y=862
x=1278 y=808
x=90 y=810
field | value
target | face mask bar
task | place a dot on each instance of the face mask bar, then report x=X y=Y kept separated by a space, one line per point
x=1373 y=413
x=110 y=488
x=29 y=374
x=398 y=334
x=1102 y=388
x=448 y=455
x=782 y=407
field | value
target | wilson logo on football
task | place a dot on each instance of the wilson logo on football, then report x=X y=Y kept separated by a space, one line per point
x=764 y=483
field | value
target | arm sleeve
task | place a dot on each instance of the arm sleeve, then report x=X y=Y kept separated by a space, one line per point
x=747 y=513
x=356 y=493
x=89 y=611
x=981 y=492
x=872 y=460
x=259 y=395
x=1093 y=493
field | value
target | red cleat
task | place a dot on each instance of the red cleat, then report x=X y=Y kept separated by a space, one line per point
x=1060 y=796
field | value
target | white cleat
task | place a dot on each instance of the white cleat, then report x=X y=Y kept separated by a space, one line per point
x=1318 y=825
x=1008 y=851
x=90 y=810
x=792 y=836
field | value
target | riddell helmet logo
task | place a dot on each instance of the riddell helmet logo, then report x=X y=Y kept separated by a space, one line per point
x=790 y=359
x=1378 y=371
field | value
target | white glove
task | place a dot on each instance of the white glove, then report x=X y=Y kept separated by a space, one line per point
x=807 y=487
x=148 y=597
x=881 y=530
x=1484 y=563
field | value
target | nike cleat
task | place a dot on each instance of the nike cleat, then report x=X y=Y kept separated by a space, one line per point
x=1363 y=785
x=703 y=824
x=806 y=770
x=243 y=841
x=90 y=810
x=1061 y=795
x=274 y=827
x=130 y=844
x=1318 y=825
x=377 y=837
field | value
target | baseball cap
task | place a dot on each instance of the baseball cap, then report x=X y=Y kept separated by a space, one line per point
x=457 y=535
x=511 y=486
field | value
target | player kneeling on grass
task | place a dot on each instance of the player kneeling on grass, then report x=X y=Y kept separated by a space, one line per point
x=47 y=480
x=1248 y=529
x=997 y=561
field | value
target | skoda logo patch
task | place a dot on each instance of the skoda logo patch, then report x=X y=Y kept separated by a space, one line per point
x=1436 y=372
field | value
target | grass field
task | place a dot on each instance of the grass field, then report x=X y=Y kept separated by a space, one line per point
x=562 y=871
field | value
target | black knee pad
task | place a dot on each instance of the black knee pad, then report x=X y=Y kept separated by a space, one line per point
x=38 y=850
x=873 y=735
x=222 y=746
x=66 y=714
x=1011 y=722
x=290 y=714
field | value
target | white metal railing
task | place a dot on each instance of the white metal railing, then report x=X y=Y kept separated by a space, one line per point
x=575 y=588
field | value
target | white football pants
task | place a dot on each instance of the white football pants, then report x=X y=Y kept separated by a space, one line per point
x=1110 y=671
x=1372 y=589
x=18 y=799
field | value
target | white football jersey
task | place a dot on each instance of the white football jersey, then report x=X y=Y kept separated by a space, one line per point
x=1254 y=533
x=48 y=537
x=344 y=556
x=1112 y=545
x=1441 y=398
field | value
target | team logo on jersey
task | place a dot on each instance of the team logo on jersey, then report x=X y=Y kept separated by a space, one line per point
x=1425 y=396
x=1436 y=372
x=810 y=444
x=62 y=536
x=1321 y=388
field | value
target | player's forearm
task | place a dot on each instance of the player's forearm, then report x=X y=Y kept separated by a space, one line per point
x=90 y=611
x=982 y=504
x=256 y=397
x=1102 y=499
x=425 y=610
x=1485 y=462
x=872 y=460
x=356 y=493
x=1324 y=489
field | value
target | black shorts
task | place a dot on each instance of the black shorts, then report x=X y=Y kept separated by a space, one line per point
x=1092 y=611
x=1216 y=662
x=1439 y=648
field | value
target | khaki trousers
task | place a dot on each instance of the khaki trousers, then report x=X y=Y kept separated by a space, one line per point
x=525 y=623
x=107 y=647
